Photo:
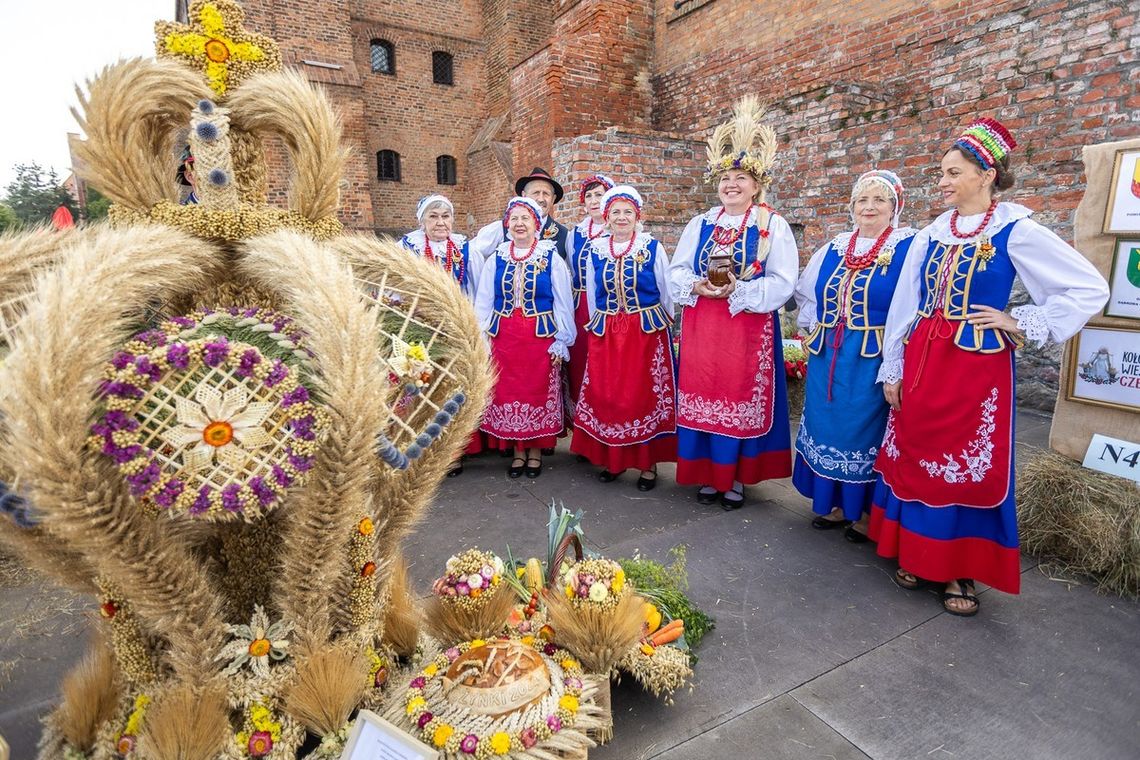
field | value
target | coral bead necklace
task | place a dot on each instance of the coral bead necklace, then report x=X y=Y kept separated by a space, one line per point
x=526 y=255
x=726 y=237
x=453 y=260
x=628 y=248
x=590 y=234
x=954 y=216
x=864 y=260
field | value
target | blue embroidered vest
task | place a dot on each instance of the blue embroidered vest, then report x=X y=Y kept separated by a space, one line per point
x=865 y=295
x=536 y=298
x=743 y=250
x=460 y=273
x=627 y=284
x=968 y=280
x=579 y=250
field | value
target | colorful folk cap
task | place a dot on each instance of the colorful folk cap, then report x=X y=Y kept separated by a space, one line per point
x=591 y=181
x=987 y=140
x=430 y=200
x=887 y=179
x=526 y=203
x=621 y=193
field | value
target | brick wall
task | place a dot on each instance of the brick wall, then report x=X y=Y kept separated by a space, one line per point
x=665 y=168
x=861 y=85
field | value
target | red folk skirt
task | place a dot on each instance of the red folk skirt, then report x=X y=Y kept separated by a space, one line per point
x=526 y=406
x=626 y=412
x=577 y=367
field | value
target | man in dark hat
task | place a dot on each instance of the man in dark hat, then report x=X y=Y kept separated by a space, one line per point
x=186 y=178
x=541 y=188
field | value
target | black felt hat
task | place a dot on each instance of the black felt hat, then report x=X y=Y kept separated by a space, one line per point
x=539 y=173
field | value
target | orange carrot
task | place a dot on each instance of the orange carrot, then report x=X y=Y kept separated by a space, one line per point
x=674 y=630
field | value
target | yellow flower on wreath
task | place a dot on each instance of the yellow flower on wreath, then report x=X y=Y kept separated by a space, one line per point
x=442 y=733
x=501 y=743
x=569 y=703
x=217 y=43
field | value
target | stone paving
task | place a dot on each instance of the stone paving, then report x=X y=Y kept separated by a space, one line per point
x=816 y=654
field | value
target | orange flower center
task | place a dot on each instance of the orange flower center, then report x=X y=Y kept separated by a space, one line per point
x=259 y=647
x=218 y=433
x=217 y=51
x=368 y=570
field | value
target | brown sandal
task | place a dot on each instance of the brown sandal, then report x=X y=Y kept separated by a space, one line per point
x=909 y=581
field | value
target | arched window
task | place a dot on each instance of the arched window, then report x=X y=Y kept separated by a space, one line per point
x=388 y=166
x=445 y=170
x=383 y=57
x=441 y=68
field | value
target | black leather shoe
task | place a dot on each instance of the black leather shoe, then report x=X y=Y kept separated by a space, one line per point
x=605 y=476
x=646 y=484
x=455 y=471
x=533 y=471
x=822 y=523
x=855 y=537
x=731 y=500
x=516 y=470
x=708 y=498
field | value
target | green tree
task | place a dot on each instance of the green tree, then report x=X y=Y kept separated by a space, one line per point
x=36 y=193
x=97 y=205
x=8 y=219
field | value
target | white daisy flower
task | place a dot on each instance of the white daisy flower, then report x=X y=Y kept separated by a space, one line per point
x=226 y=424
x=256 y=644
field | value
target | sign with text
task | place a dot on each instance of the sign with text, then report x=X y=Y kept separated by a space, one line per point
x=1114 y=456
x=373 y=738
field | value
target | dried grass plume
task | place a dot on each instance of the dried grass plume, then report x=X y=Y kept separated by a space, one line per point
x=599 y=638
x=185 y=723
x=329 y=685
x=451 y=622
x=90 y=695
x=402 y=618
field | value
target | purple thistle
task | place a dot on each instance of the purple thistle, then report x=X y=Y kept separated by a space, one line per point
x=277 y=374
x=215 y=352
x=144 y=479
x=202 y=503
x=230 y=498
x=249 y=359
x=178 y=355
x=298 y=395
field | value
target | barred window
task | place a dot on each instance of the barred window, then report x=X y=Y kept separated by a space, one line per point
x=445 y=170
x=442 y=68
x=388 y=166
x=383 y=57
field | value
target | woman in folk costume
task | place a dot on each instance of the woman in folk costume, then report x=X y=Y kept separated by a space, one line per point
x=734 y=267
x=945 y=504
x=524 y=305
x=843 y=295
x=578 y=241
x=435 y=241
x=626 y=413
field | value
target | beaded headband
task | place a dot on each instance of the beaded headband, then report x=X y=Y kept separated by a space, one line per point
x=529 y=205
x=593 y=179
x=988 y=141
x=621 y=193
x=430 y=200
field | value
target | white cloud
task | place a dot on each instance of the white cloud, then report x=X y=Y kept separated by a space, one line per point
x=49 y=46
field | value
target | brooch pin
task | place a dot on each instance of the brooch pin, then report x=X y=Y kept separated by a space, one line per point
x=883 y=260
x=984 y=252
x=540 y=265
x=549 y=232
x=640 y=257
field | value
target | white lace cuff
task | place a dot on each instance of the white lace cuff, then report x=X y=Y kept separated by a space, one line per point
x=686 y=296
x=890 y=371
x=558 y=348
x=1031 y=321
x=742 y=296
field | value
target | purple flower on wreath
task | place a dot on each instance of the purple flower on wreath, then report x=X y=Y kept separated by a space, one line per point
x=121 y=455
x=302 y=427
x=554 y=723
x=169 y=492
x=300 y=463
x=121 y=389
x=424 y=719
x=230 y=499
x=277 y=374
x=215 y=352
x=264 y=493
x=283 y=478
x=249 y=359
x=121 y=360
x=418 y=682
x=298 y=395
x=148 y=369
x=469 y=744
x=528 y=737
x=178 y=356
x=549 y=649
x=184 y=322
x=143 y=480
x=202 y=502
x=153 y=338
x=572 y=682
x=452 y=654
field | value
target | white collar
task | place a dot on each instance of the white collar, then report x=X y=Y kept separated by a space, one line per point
x=1005 y=213
x=841 y=240
x=544 y=246
x=729 y=220
x=417 y=238
x=601 y=245
x=584 y=225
